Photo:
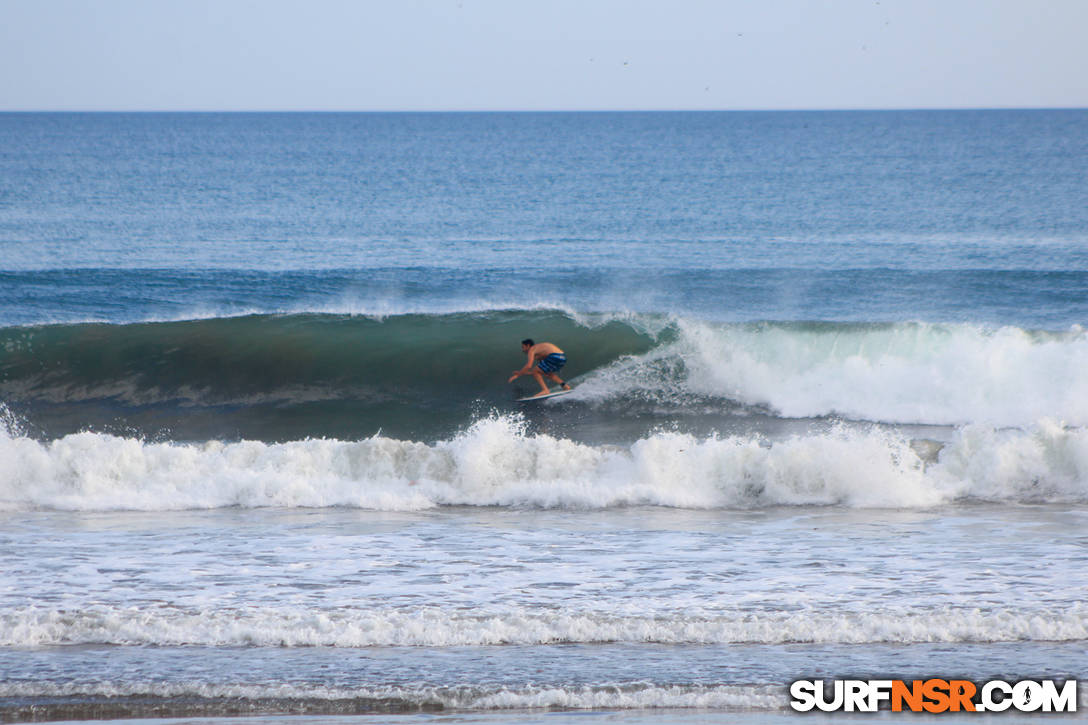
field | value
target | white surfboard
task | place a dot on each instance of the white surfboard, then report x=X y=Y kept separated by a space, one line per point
x=545 y=397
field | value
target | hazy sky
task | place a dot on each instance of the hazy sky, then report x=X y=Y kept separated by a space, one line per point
x=549 y=54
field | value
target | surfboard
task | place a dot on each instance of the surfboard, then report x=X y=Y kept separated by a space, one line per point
x=556 y=394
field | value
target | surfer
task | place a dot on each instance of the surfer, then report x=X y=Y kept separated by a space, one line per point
x=548 y=359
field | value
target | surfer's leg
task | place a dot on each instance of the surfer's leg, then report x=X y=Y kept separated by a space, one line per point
x=540 y=379
x=551 y=365
x=556 y=378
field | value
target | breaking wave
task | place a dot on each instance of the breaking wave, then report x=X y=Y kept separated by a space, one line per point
x=425 y=376
x=496 y=462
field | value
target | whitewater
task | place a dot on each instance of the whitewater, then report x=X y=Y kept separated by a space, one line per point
x=496 y=463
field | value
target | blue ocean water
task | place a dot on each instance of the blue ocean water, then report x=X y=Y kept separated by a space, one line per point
x=259 y=456
x=961 y=216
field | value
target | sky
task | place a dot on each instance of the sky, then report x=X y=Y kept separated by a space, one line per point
x=475 y=55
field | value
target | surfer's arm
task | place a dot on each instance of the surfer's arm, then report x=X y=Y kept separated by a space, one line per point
x=525 y=370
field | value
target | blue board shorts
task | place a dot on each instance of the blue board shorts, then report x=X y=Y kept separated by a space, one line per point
x=552 y=363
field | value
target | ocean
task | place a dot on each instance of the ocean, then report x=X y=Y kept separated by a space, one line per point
x=259 y=458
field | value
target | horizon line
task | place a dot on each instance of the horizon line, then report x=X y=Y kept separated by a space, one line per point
x=547 y=110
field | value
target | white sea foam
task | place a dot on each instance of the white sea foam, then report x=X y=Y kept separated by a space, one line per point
x=496 y=463
x=438 y=627
x=901 y=373
x=621 y=696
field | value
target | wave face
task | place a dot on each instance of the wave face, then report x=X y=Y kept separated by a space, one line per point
x=283 y=377
x=497 y=463
x=428 y=376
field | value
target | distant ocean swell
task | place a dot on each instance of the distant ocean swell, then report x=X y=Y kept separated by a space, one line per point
x=495 y=462
x=274 y=377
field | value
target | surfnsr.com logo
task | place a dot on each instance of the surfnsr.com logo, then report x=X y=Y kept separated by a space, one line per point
x=934 y=695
